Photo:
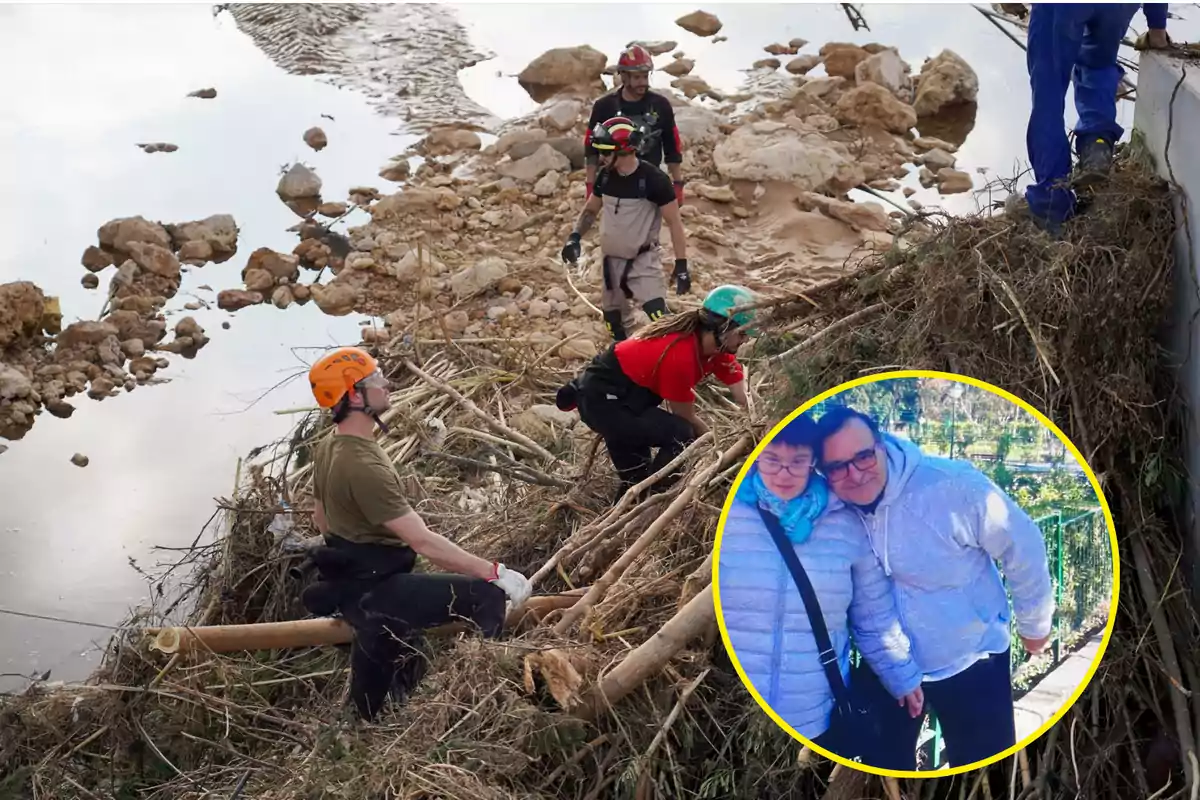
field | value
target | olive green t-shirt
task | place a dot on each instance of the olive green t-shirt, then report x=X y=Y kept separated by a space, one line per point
x=358 y=487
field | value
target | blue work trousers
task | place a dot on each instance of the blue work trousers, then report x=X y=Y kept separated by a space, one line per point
x=1070 y=42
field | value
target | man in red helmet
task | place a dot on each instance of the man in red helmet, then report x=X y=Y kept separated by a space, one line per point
x=634 y=100
x=636 y=197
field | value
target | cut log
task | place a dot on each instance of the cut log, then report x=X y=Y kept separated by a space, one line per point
x=316 y=632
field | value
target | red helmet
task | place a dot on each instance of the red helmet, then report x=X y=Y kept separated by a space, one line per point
x=635 y=59
x=616 y=135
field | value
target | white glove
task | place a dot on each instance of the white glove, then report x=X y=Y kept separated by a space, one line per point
x=514 y=584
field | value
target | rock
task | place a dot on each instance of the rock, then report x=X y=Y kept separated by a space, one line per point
x=89 y=281
x=885 y=68
x=556 y=294
x=781 y=49
x=569 y=146
x=700 y=23
x=692 y=86
x=155 y=259
x=315 y=138
x=841 y=59
x=579 y=348
x=915 y=204
x=773 y=151
x=822 y=122
x=717 y=194
x=395 y=170
x=204 y=94
x=331 y=210
x=416 y=200
x=79 y=460
x=117 y=234
x=923 y=143
x=945 y=80
x=133 y=348
x=298 y=183
x=655 y=48
x=800 y=65
x=479 y=277
x=282 y=296
x=873 y=104
x=508 y=140
x=444 y=141
x=94 y=259
x=234 y=299
x=101 y=388
x=561 y=68
x=937 y=159
x=301 y=293
x=188 y=327
x=336 y=298
x=698 y=125
x=213 y=239
x=14 y=384
x=560 y=113
x=539 y=308
x=953 y=181
x=822 y=88
x=859 y=216
x=909 y=191
x=797 y=44
x=456 y=322
x=679 y=67
x=86 y=332
x=494 y=313
x=530 y=168
x=130 y=324
x=926 y=177
x=547 y=185
x=279 y=265
x=766 y=63
x=258 y=280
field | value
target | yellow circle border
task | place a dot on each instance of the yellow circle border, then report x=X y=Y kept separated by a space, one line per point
x=1112 y=539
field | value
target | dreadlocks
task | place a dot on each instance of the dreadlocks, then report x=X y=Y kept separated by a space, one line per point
x=683 y=322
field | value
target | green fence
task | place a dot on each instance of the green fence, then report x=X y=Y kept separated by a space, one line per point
x=1081 y=570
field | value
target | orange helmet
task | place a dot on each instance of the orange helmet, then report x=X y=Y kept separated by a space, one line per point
x=341 y=370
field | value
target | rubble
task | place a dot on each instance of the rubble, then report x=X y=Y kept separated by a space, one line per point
x=701 y=23
x=158 y=147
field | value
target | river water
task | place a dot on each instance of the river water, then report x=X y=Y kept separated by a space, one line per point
x=85 y=83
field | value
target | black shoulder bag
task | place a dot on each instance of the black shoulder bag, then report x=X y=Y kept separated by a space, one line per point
x=848 y=722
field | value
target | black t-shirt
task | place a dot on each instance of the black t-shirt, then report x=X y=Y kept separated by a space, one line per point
x=646 y=182
x=654 y=112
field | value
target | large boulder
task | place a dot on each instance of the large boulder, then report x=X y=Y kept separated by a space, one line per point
x=154 y=259
x=446 y=140
x=859 y=216
x=212 y=239
x=338 y=297
x=873 y=104
x=117 y=234
x=22 y=306
x=532 y=167
x=278 y=265
x=945 y=80
x=700 y=23
x=562 y=68
x=774 y=151
x=513 y=138
x=560 y=113
x=842 y=59
x=299 y=183
x=885 y=68
x=569 y=146
x=698 y=125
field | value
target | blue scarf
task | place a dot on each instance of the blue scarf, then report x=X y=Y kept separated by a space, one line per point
x=796 y=515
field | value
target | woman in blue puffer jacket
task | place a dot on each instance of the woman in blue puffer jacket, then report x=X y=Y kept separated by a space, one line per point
x=764 y=614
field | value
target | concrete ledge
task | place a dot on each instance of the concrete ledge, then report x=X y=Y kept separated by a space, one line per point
x=1054 y=690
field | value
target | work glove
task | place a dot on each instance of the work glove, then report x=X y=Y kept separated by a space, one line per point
x=514 y=584
x=570 y=253
x=683 y=281
x=679 y=192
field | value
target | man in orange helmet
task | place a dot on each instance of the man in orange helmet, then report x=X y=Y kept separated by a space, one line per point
x=372 y=540
x=648 y=110
x=636 y=199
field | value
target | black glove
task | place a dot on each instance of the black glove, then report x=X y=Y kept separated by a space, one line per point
x=683 y=281
x=570 y=253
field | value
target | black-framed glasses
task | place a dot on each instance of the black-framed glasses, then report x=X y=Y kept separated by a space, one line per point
x=862 y=460
x=799 y=468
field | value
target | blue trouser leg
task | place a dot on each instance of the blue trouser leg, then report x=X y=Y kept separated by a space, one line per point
x=975 y=708
x=1055 y=39
x=1097 y=73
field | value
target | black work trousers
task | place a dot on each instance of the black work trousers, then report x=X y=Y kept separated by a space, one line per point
x=389 y=619
x=630 y=435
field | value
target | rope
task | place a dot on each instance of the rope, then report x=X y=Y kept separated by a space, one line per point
x=60 y=619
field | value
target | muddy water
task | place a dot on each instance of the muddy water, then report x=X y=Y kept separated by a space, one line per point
x=160 y=454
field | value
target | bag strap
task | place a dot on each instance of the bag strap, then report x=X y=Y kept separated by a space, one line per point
x=827 y=656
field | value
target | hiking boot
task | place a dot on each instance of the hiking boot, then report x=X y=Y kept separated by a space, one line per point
x=1095 y=162
x=1052 y=227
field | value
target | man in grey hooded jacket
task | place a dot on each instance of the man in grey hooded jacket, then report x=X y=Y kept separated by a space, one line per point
x=938 y=527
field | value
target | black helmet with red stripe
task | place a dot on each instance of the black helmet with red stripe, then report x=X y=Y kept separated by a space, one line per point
x=617 y=135
x=635 y=59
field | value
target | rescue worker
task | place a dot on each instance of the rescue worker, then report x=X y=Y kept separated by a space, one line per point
x=634 y=100
x=372 y=540
x=1076 y=43
x=635 y=198
x=620 y=392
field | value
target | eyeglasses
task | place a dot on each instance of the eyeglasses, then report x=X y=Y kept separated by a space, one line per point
x=798 y=468
x=375 y=380
x=862 y=460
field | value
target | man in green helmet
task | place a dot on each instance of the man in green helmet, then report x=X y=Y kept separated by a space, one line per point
x=620 y=393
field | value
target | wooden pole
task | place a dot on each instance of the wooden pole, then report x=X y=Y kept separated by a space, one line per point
x=315 y=632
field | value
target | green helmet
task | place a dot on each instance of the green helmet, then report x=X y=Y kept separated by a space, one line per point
x=724 y=298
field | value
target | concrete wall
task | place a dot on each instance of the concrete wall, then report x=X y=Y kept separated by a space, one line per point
x=1159 y=79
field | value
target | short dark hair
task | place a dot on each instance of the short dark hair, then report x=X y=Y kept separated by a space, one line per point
x=837 y=417
x=800 y=432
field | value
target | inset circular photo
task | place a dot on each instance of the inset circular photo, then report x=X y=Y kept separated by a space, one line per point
x=915 y=574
